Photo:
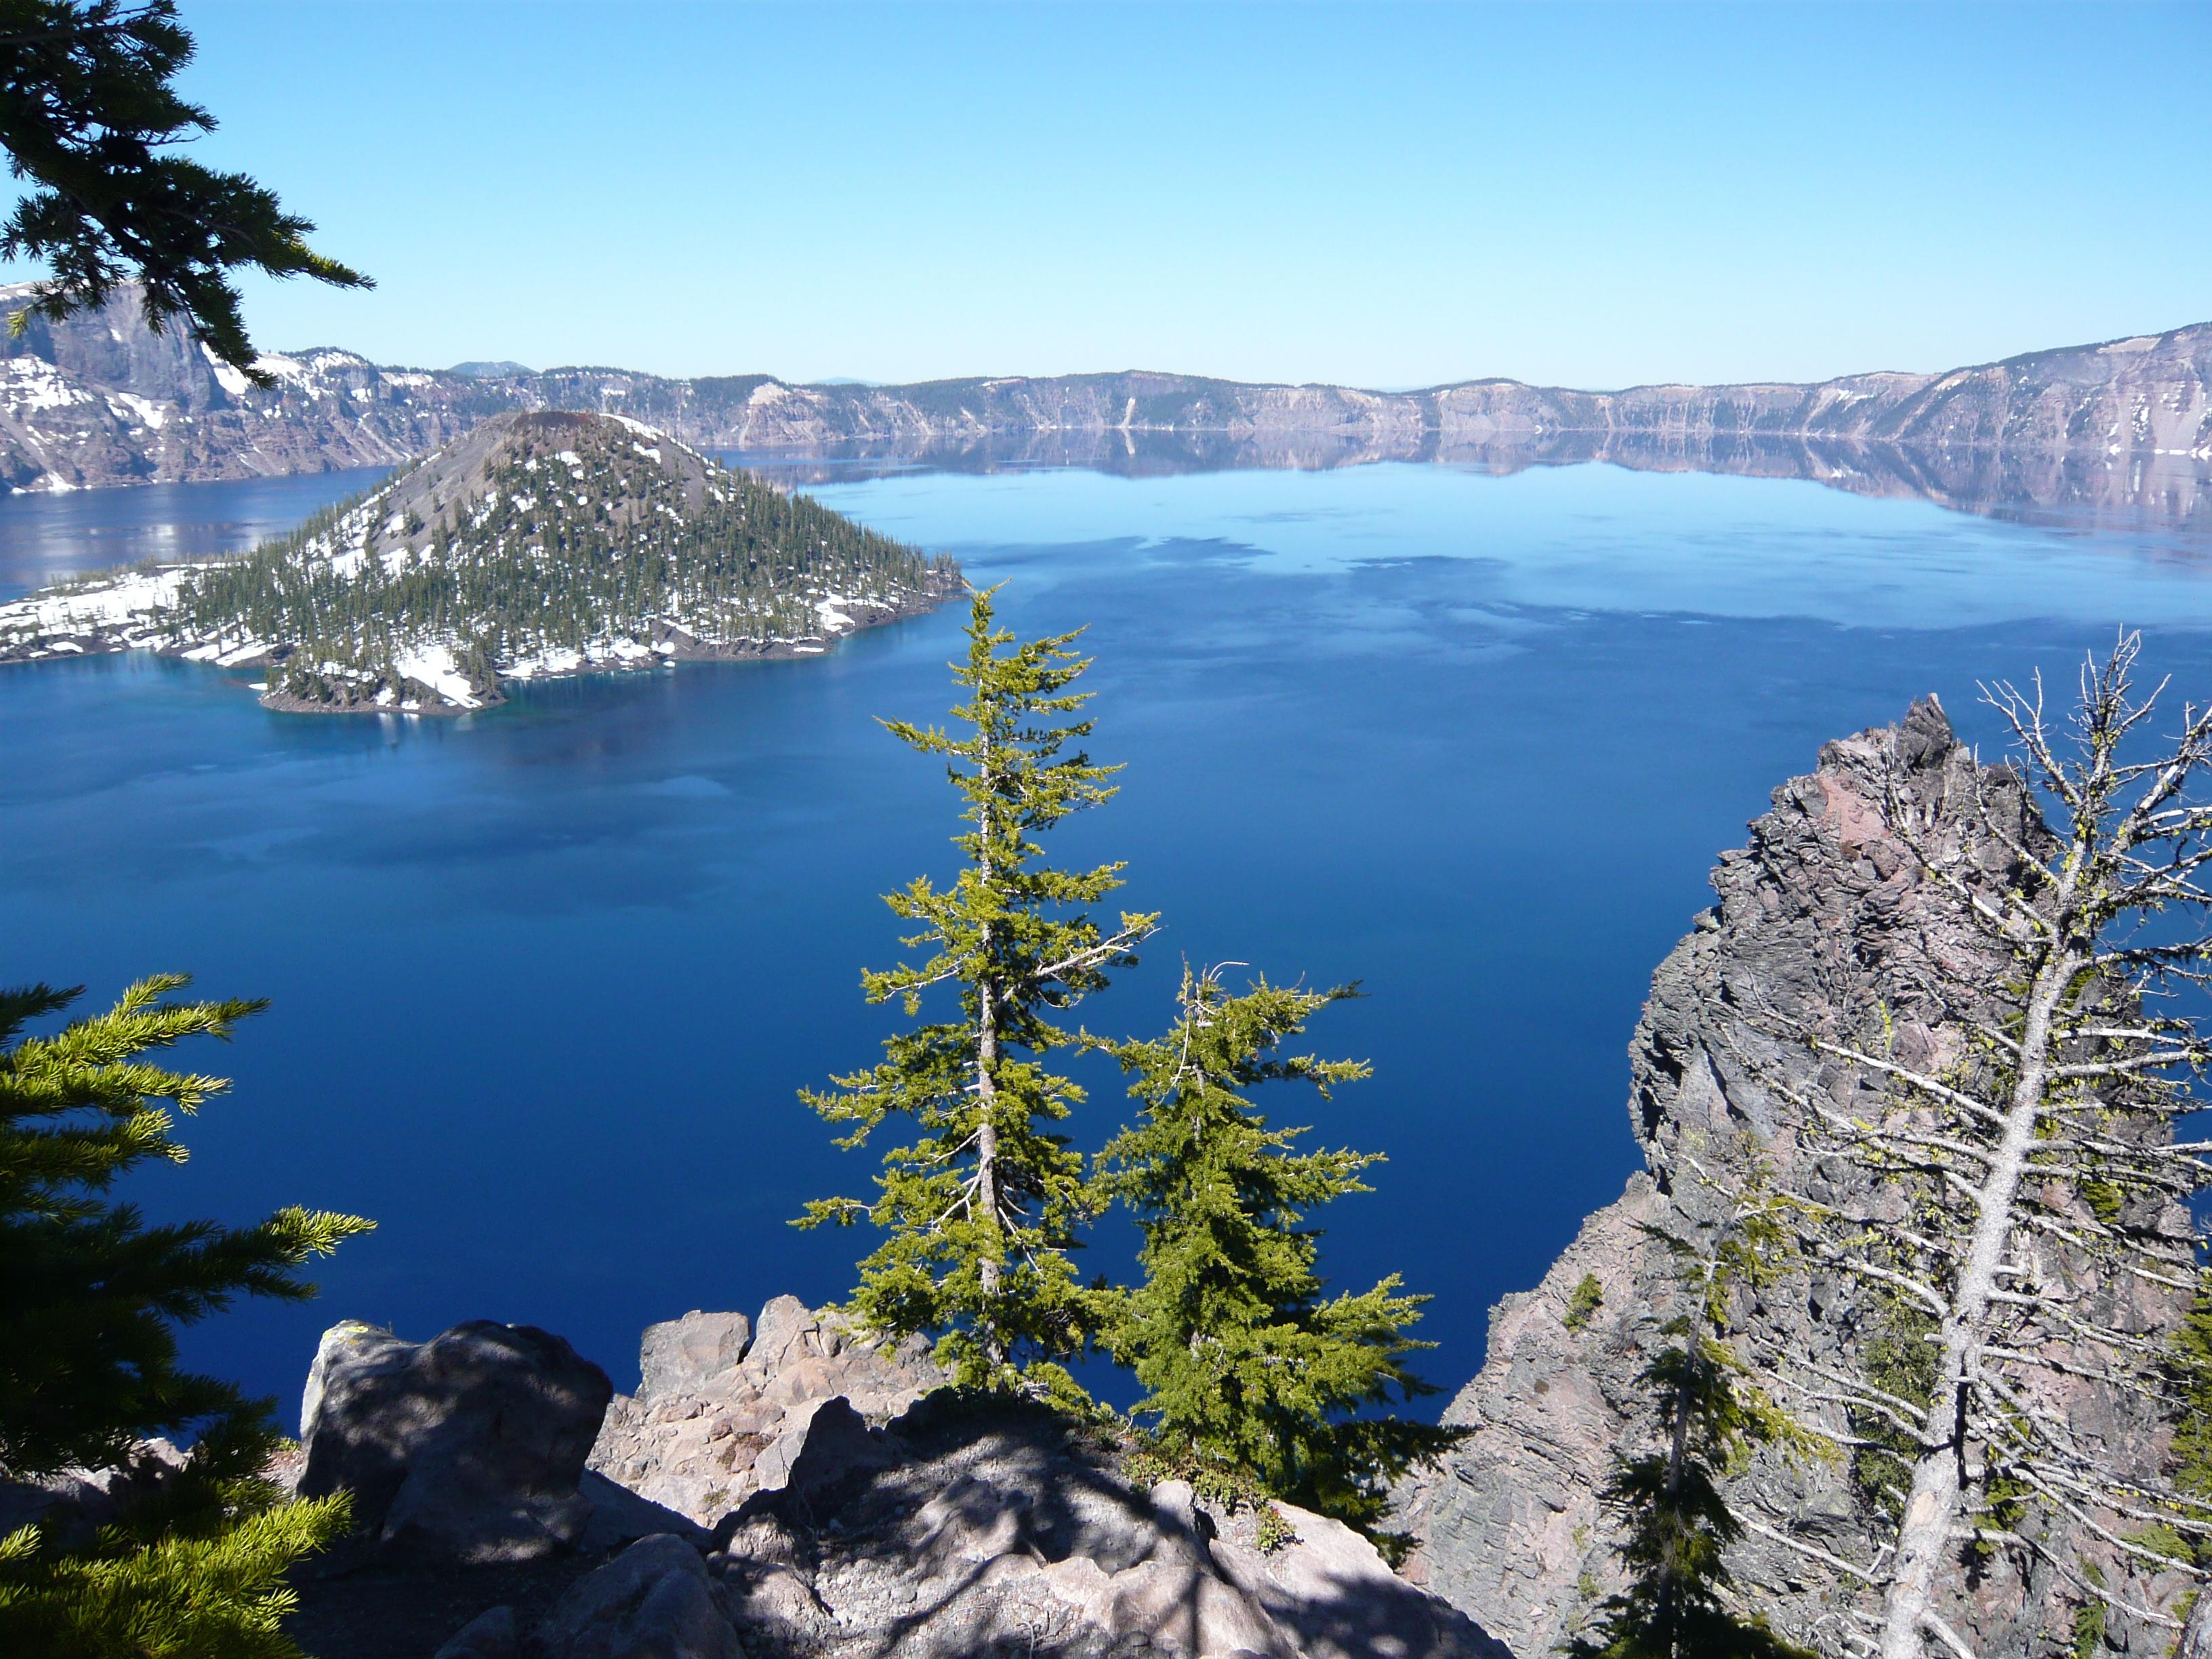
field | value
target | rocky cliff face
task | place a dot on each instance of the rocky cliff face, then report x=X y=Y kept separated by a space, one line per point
x=1821 y=910
x=100 y=400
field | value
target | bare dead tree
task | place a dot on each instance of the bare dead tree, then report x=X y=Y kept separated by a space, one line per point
x=2023 y=1189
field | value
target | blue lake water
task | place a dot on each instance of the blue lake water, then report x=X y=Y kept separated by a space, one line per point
x=545 y=980
x=44 y=538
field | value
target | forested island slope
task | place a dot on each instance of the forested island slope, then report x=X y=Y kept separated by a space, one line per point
x=538 y=543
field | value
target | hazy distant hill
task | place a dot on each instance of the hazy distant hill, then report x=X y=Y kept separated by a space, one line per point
x=98 y=400
x=541 y=542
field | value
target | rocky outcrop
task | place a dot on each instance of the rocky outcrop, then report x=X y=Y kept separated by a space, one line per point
x=100 y=400
x=727 y=1407
x=872 y=1520
x=469 y=1446
x=994 y=1531
x=1821 y=911
x=654 y=1601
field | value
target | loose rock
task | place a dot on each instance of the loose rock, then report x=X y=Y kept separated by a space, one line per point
x=652 y=1602
x=470 y=1445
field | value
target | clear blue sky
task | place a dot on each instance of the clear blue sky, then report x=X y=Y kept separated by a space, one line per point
x=1381 y=195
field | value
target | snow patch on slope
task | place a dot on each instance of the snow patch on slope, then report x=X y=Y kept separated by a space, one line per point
x=433 y=665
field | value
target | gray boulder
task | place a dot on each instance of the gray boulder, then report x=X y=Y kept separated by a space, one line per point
x=654 y=1601
x=956 y=1532
x=493 y=1635
x=694 y=1355
x=470 y=1445
x=73 y=1505
x=620 y=1518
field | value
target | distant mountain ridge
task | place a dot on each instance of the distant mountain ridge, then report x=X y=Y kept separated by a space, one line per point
x=100 y=400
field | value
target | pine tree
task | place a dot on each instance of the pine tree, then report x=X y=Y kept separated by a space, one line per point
x=91 y=122
x=90 y=1298
x=981 y=1208
x=1251 y=1372
x=1711 y=1416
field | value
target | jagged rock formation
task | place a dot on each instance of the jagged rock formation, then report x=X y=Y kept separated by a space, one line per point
x=721 y=1409
x=1822 y=911
x=946 y=1527
x=99 y=400
x=535 y=545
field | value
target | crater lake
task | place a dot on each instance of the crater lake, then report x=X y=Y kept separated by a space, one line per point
x=545 y=980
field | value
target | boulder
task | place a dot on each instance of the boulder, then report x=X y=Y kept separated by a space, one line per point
x=1332 y=1596
x=493 y=1635
x=692 y=1356
x=74 y=1503
x=654 y=1601
x=620 y=1518
x=470 y=1445
x=1179 y=1607
x=963 y=1530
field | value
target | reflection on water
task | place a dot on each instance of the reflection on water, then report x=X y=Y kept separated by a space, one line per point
x=45 y=538
x=2068 y=489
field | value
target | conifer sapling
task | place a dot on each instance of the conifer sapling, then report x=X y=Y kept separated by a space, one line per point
x=1250 y=1369
x=1711 y=1416
x=980 y=1209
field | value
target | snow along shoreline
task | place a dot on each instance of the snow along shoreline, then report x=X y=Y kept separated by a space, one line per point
x=122 y=615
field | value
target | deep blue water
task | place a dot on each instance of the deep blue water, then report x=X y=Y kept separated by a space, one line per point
x=546 y=980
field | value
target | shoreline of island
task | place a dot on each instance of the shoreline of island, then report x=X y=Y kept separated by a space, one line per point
x=540 y=546
x=620 y=656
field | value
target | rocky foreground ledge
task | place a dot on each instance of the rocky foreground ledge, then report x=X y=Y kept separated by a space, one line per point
x=777 y=1489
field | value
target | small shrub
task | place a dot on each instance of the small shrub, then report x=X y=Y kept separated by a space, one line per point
x=1272 y=1531
x=1584 y=1301
x=2089 y=1619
